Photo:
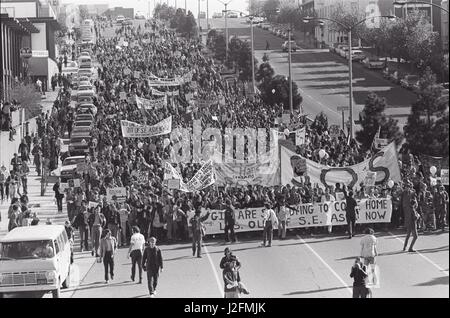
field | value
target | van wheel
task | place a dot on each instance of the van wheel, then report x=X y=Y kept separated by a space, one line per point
x=66 y=283
x=56 y=292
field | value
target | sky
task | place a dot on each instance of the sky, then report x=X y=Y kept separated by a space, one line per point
x=192 y=5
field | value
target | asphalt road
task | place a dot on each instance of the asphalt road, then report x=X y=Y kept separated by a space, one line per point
x=299 y=267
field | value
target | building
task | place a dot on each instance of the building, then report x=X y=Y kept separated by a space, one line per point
x=97 y=9
x=444 y=25
x=15 y=35
x=116 y=11
x=42 y=64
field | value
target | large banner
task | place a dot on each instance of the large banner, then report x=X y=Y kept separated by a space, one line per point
x=156 y=92
x=384 y=163
x=134 y=130
x=303 y=215
x=119 y=192
x=265 y=172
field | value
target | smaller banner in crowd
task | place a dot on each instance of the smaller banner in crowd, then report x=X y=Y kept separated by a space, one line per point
x=119 y=192
x=156 y=92
x=141 y=176
x=168 y=82
x=151 y=104
x=202 y=179
x=134 y=130
x=369 y=180
x=303 y=215
x=300 y=136
x=444 y=176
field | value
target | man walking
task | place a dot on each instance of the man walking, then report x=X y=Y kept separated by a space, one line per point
x=230 y=221
x=350 y=212
x=152 y=263
x=113 y=217
x=137 y=245
x=410 y=215
x=269 y=221
x=108 y=247
x=96 y=222
x=198 y=232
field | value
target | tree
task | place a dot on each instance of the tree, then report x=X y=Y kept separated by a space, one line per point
x=265 y=73
x=255 y=7
x=219 y=47
x=427 y=127
x=277 y=92
x=190 y=26
x=27 y=97
x=348 y=15
x=373 y=119
x=177 y=22
x=164 y=12
x=320 y=123
x=270 y=8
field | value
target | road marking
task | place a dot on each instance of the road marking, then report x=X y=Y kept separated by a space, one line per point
x=423 y=256
x=326 y=264
x=219 y=285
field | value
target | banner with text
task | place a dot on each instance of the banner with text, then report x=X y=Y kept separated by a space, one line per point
x=134 y=130
x=303 y=215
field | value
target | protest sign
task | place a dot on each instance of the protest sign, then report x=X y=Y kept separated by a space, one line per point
x=151 y=104
x=119 y=192
x=286 y=118
x=369 y=180
x=123 y=96
x=444 y=176
x=173 y=184
x=300 y=137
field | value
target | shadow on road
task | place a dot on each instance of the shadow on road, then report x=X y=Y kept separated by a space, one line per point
x=305 y=292
x=436 y=281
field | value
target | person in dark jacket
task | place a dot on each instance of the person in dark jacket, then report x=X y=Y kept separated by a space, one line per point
x=198 y=232
x=81 y=222
x=230 y=221
x=359 y=274
x=228 y=258
x=152 y=263
x=410 y=215
x=58 y=196
x=113 y=218
x=350 y=212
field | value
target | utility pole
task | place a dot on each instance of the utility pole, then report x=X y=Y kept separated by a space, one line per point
x=226 y=32
x=350 y=81
x=291 y=106
x=253 y=54
x=207 y=15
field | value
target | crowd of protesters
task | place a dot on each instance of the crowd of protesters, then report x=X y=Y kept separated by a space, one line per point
x=155 y=51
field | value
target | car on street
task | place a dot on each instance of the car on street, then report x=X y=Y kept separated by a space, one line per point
x=85 y=72
x=217 y=15
x=139 y=17
x=86 y=108
x=35 y=259
x=120 y=19
x=87 y=116
x=68 y=168
x=265 y=26
x=285 y=46
x=343 y=51
x=333 y=47
x=357 y=55
x=85 y=90
x=410 y=82
x=79 y=145
x=374 y=63
x=233 y=15
x=127 y=22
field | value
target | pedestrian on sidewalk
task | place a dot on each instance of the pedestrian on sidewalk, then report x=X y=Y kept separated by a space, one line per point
x=113 y=217
x=198 y=231
x=269 y=222
x=58 y=197
x=108 y=247
x=97 y=222
x=24 y=170
x=70 y=237
x=267 y=45
x=359 y=274
x=135 y=251
x=152 y=263
x=3 y=176
x=81 y=222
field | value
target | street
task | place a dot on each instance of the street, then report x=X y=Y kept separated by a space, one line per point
x=298 y=267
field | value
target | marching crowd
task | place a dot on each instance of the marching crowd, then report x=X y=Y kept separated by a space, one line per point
x=155 y=51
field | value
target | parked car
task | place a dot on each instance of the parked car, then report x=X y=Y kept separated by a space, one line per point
x=285 y=46
x=68 y=168
x=344 y=51
x=374 y=63
x=79 y=145
x=357 y=55
x=81 y=116
x=217 y=15
x=139 y=17
x=87 y=108
x=85 y=90
x=232 y=15
x=410 y=82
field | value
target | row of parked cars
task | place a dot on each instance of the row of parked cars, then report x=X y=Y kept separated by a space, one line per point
x=83 y=93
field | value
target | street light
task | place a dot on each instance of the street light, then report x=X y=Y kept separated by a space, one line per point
x=400 y=4
x=349 y=29
x=226 y=26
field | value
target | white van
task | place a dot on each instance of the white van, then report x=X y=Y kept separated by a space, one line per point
x=35 y=258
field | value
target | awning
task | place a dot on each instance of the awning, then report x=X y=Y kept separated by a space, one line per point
x=38 y=66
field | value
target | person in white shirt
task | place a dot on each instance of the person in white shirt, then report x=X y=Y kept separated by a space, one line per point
x=269 y=221
x=368 y=253
x=369 y=247
x=136 y=249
